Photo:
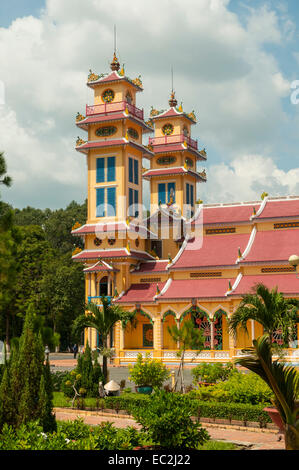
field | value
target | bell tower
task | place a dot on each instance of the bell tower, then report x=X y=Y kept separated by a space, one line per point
x=173 y=174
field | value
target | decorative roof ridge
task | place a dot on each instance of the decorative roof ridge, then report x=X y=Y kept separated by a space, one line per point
x=93 y=266
x=164 y=289
x=262 y=207
x=178 y=255
x=235 y=285
x=249 y=245
x=230 y=204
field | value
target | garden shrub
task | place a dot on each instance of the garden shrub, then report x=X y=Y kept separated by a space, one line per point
x=90 y=375
x=148 y=372
x=166 y=418
x=211 y=373
x=58 y=378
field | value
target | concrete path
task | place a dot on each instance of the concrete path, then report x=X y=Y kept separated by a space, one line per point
x=257 y=440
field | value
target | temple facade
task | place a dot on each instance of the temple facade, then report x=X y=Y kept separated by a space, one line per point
x=182 y=259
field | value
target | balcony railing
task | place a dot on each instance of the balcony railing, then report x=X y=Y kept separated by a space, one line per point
x=97 y=299
x=173 y=139
x=114 y=108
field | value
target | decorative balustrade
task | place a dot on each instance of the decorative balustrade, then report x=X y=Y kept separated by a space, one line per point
x=97 y=299
x=117 y=107
x=173 y=139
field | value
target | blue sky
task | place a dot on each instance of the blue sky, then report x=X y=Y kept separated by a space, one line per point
x=234 y=62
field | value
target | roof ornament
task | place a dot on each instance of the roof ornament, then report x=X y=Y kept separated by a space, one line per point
x=172 y=101
x=128 y=247
x=92 y=77
x=122 y=71
x=254 y=211
x=157 y=290
x=79 y=117
x=203 y=152
x=180 y=108
x=114 y=64
x=229 y=286
x=239 y=253
x=80 y=141
x=263 y=195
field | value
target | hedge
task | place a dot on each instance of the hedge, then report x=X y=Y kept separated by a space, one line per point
x=204 y=409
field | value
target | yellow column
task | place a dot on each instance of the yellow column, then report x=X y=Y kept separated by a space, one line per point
x=157 y=337
x=232 y=340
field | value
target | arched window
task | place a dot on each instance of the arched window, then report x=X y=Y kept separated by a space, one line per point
x=201 y=320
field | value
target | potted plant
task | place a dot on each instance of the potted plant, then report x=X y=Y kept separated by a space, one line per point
x=148 y=373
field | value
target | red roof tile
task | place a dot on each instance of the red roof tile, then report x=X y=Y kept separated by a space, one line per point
x=112 y=77
x=273 y=245
x=228 y=214
x=109 y=254
x=170 y=171
x=286 y=283
x=280 y=208
x=152 y=267
x=113 y=228
x=112 y=143
x=217 y=250
x=196 y=288
x=141 y=293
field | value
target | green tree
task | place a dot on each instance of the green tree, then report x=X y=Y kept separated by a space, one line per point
x=4 y=178
x=283 y=380
x=270 y=309
x=188 y=337
x=103 y=320
x=46 y=416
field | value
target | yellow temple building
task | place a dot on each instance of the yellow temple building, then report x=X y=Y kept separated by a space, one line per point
x=184 y=259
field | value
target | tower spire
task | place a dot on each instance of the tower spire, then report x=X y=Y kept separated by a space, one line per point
x=172 y=101
x=114 y=64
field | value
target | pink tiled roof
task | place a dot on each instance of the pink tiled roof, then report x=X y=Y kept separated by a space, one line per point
x=274 y=245
x=196 y=288
x=100 y=228
x=218 y=250
x=170 y=171
x=172 y=112
x=152 y=267
x=286 y=283
x=280 y=208
x=99 y=118
x=141 y=293
x=229 y=214
x=98 y=267
x=111 y=143
x=112 y=77
x=117 y=253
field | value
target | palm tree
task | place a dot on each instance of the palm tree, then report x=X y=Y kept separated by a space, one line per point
x=102 y=319
x=188 y=338
x=283 y=381
x=270 y=309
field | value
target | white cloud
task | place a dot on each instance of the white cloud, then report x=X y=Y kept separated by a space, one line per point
x=221 y=71
x=246 y=178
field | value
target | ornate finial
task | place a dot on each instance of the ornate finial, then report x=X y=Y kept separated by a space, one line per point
x=92 y=76
x=76 y=251
x=128 y=247
x=127 y=135
x=180 y=108
x=264 y=195
x=203 y=174
x=229 y=285
x=79 y=117
x=122 y=71
x=137 y=81
x=157 y=290
x=172 y=101
x=114 y=64
x=192 y=115
x=76 y=225
x=79 y=141
x=239 y=253
x=169 y=258
x=199 y=201
x=185 y=162
x=254 y=211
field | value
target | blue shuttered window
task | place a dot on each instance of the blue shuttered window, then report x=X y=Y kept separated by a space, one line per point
x=131 y=170
x=100 y=177
x=111 y=169
x=111 y=202
x=162 y=193
x=100 y=195
x=189 y=194
x=136 y=171
x=105 y=172
x=192 y=195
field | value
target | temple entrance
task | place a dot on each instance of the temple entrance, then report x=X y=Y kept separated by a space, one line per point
x=103 y=286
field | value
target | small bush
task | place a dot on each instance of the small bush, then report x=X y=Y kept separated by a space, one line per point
x=166 y=418
x=148 y=372
x=211 y=373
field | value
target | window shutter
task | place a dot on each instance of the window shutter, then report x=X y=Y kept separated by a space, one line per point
x=100 y=200
x=161 y=193
x=192 y=195
x=130 y=201
x=111 y=202
x=135 y=171
x=136 y=203
x=131 y=170
x=111 y=169
x=100 y=177
x=187 y=193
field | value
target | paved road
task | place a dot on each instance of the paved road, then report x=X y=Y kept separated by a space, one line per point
x=254 y=440
x=66 y=361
